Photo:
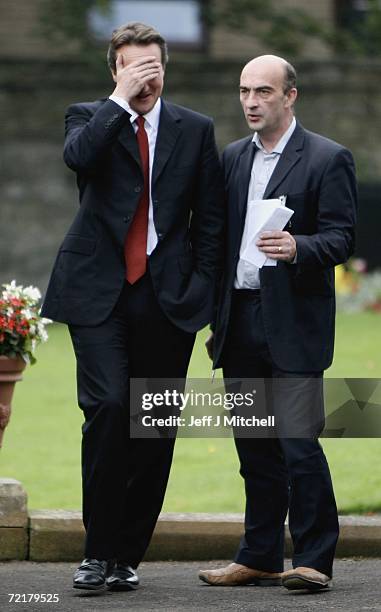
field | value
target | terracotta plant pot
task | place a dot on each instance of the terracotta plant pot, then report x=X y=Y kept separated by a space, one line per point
x=10 y=373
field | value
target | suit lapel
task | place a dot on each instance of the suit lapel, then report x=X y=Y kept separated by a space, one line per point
x=287 y=161
x=166 y=138
x=242 y=182
x=245 y=165
x=128 y=139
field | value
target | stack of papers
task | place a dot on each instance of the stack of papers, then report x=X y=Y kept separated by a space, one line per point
x=263 y=215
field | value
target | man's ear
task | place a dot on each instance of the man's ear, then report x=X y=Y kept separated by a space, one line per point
x=291 y=96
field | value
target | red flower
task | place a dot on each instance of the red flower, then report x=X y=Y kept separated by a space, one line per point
x=16 y=302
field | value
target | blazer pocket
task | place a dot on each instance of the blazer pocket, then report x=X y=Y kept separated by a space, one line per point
x=308 y=283
x=78 y=244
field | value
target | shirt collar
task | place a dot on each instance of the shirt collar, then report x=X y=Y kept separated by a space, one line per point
x=152 y=118
x=279 y=147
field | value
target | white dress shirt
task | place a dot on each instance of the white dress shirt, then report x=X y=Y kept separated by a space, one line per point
x=247 y=274
x=151 y=126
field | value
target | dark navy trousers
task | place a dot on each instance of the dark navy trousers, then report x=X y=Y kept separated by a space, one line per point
x=282 y=474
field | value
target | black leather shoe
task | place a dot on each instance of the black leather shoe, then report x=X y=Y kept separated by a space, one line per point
x=122 y=577
x=91 y=575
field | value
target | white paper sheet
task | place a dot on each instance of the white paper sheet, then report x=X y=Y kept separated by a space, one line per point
x=263 y=215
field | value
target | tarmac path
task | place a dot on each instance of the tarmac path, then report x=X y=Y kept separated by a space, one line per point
x=174 y=587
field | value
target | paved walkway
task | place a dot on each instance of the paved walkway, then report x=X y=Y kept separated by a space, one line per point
x=174 y=587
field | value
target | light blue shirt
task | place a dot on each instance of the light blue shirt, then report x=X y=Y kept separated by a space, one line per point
x=247 y=274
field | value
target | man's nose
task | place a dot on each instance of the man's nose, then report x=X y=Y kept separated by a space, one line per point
x=252 y=100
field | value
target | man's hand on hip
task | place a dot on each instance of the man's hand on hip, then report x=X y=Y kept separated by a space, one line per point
x=277 y=245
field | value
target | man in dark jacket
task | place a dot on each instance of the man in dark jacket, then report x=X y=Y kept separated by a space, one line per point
x=277 y=323
x=134 y=281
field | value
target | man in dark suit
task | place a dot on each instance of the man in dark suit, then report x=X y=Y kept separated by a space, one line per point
x=134 y=281
x=277 y=323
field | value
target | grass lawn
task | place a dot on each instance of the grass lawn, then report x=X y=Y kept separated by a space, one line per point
x=42 y=443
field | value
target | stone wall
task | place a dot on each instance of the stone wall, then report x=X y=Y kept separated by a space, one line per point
x=37 y=193
x=22 y=35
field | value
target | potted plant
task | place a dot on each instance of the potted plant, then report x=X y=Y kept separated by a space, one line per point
x=21 y=330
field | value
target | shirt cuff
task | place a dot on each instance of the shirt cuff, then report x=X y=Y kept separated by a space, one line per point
x=121 y=102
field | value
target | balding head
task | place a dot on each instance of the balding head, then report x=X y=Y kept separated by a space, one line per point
x=267 y=94
x=277 y=66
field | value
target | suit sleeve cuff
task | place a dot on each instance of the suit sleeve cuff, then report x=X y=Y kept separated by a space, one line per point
x=121 y=102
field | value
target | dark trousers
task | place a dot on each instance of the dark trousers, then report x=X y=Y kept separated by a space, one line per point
x=281 y=473
x=124 y=479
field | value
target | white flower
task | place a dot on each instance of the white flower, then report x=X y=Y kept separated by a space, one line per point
x=32 y=293
x=12 y=290
x=25 y=343
x=27 y=313
x=43 y=334
x=13 y=287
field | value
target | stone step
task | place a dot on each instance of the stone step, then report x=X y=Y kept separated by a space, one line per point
x=58 y=535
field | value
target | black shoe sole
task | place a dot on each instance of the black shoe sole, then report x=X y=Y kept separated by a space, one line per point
x=89 y=587
x=121 y=586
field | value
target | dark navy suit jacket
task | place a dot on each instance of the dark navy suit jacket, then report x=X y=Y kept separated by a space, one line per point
x=89 y=271
x=298 y=300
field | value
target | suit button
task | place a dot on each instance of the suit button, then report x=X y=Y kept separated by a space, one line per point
x=137 y=189
x=160 y=235
x=126 y=219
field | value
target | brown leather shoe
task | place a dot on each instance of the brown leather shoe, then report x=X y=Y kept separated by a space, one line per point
x=239 y=575
x=305 y=578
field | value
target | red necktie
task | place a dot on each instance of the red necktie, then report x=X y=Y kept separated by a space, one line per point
x=135 y=248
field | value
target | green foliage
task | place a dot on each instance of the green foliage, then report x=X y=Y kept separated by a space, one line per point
x=68 y=19
x=363 y=39
x=288 y=30
x=284 y=30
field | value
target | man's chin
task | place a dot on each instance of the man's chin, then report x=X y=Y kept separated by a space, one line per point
x=143 y=106
x=255 y=125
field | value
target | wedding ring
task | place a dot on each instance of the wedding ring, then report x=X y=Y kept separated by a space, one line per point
x=280 y=249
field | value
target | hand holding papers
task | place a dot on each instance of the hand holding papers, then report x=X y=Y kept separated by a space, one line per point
x=263 y=215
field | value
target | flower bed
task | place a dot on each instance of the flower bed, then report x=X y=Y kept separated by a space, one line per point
x=21 y=326
x=356 y=288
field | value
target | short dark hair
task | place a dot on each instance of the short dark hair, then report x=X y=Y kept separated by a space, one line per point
x=289 y=77
x=135 y=33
